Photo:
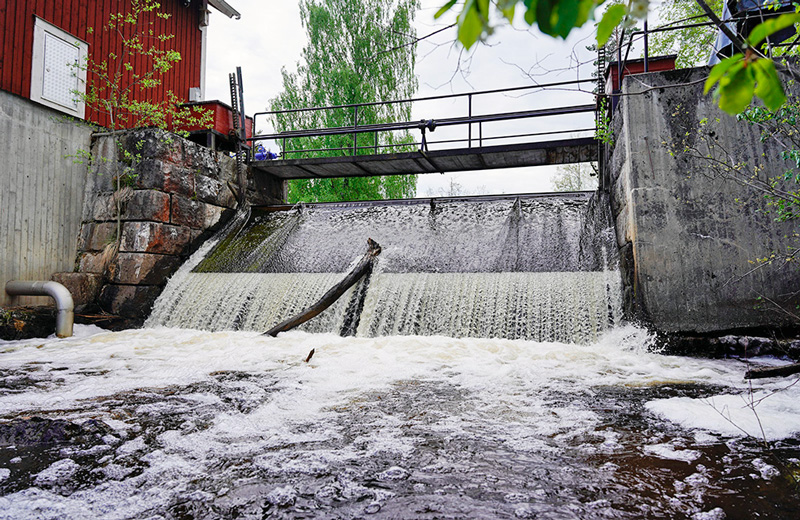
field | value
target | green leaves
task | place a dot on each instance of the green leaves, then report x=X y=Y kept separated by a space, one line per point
x=737 y=78
x=553 y=17
x=743 y=75
x=446 y=7
x=771 y=26
x=559 y=17
x=611 y=18
x=345 y=61
x=768 y=85
x=470 y=24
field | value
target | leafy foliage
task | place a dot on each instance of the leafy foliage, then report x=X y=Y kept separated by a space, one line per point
x=123 y=90
x=781 y=126
x=692 y=45
x=555 y=18
x=741 y=76
x=574 y=177
x=358 y=51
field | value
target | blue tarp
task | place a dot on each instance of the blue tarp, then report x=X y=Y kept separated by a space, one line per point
x=723 y=44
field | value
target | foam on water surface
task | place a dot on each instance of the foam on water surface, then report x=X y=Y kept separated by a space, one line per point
x=218 y=422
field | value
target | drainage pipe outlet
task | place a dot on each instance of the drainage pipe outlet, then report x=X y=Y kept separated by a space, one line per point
x=61 y=295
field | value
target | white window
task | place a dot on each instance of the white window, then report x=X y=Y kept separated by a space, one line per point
x=58 y=68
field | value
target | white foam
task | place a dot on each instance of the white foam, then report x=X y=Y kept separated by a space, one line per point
x=500 y=387
x=668 y=451
x=762 y=414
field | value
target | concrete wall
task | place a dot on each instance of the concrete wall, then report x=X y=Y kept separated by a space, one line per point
x=41 y=193
x=688 y=237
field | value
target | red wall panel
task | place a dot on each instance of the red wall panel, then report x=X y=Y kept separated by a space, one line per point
x=75 y=17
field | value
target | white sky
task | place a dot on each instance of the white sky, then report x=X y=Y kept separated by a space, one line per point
x=269 y=36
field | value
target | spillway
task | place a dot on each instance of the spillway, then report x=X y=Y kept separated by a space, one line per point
x=526 y=267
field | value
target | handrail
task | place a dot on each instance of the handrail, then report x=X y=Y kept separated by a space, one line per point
x=469 y=120
x=431 y=98
x=412 y=125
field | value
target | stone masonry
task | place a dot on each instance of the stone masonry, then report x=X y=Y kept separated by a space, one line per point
x=175 y=197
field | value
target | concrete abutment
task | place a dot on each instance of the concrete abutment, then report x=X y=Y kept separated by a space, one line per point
x=691 y=233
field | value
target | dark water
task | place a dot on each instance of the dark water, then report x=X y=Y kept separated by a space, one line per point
x=384 y=428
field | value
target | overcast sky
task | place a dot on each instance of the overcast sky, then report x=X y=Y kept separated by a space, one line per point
x=269 y=36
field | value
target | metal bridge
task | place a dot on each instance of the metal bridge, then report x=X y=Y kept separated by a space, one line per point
x=359 y=150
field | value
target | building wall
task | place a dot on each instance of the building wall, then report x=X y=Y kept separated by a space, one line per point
x=75 y=17
x=690 y=238
x=41 y=193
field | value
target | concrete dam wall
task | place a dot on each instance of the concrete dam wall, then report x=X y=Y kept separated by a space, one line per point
x=690 y=229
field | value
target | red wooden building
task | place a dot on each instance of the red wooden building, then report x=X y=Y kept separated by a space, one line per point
x=39 y=38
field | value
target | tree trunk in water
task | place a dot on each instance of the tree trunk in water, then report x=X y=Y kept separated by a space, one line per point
x=785 y=370
x=363 y=267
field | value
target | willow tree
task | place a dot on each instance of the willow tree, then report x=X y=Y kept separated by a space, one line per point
x=358 y=51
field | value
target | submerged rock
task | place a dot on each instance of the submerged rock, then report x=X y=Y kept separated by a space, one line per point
x=38 y=431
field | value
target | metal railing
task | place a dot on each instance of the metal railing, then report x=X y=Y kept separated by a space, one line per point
x=473 y=123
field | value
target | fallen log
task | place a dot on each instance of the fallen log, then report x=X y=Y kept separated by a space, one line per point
x=782 y=371
x=363 y=267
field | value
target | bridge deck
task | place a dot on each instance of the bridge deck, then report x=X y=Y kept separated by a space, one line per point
x=565 y=151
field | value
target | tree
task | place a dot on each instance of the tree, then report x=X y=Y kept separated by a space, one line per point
x=574 y=177
x=119 y=86
x=737 y=79
x=358 y=51
x=692 y=45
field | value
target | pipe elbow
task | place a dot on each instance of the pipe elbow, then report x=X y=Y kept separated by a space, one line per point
x=60 y=294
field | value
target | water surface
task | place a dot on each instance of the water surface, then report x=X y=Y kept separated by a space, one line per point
x=236 y=425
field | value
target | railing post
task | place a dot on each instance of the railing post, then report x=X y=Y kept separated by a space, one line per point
x=376 y=142
x=284 y=149
x=646 y=49
x=469 y=115
x=355 y=134
x=480 y=134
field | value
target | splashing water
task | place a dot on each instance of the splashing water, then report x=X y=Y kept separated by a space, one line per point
x=507 y=268
x=236 y=425
x=483 y=382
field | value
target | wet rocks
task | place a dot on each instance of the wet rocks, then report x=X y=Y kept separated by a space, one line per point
x=38 y=431
x=27 y=322
x=177 y=194
x=732 y=345
x=57 y=474
x=51 y=453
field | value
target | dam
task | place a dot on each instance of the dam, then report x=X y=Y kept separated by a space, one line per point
x=491 y=365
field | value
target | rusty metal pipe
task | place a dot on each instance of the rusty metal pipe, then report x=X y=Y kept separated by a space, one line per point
x=64 y=303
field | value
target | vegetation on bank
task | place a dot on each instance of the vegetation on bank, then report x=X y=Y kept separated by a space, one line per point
x=358 y=51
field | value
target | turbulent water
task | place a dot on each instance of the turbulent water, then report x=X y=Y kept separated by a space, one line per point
x=237 y=425
x=480 y=372
x=531 y=268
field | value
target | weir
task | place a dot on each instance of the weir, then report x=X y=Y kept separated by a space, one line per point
x=537 y=267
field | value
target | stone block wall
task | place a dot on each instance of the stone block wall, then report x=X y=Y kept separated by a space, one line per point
x=176 y=195
x=689 y=237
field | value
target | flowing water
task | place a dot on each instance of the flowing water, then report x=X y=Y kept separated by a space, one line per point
x=530 y=268
x=511 y=392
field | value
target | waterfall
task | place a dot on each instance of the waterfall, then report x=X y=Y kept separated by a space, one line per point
x=519 y=267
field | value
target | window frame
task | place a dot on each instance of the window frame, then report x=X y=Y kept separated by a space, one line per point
x=41 y=29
